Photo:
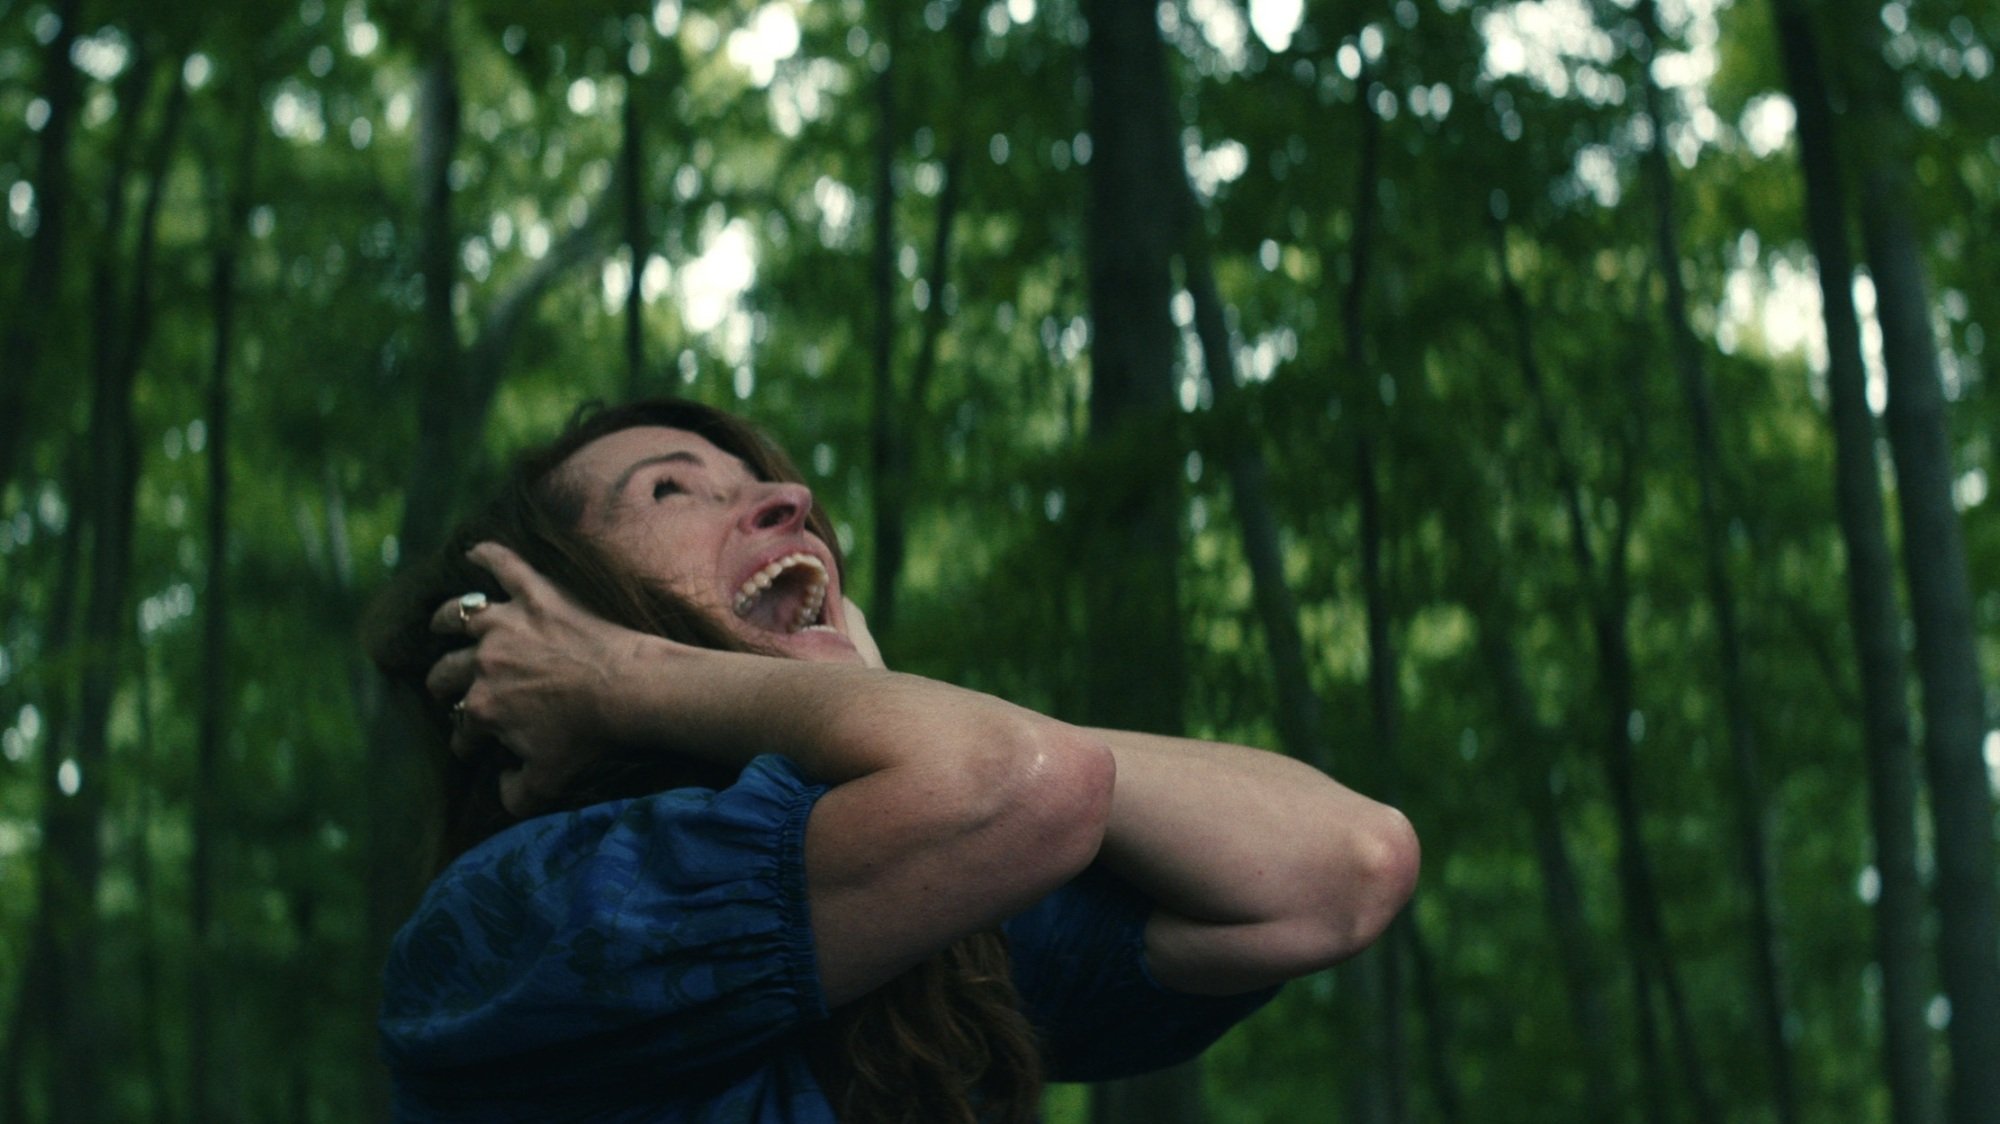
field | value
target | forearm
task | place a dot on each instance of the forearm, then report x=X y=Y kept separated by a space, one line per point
x=949 y=810
x=839 y=722
x=1242 y=840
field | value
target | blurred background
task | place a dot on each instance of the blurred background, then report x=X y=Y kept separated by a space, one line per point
x=1567 y=420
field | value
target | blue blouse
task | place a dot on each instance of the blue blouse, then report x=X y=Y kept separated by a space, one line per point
x=652 y=960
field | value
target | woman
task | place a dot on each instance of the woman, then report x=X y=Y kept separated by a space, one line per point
x=791 y=885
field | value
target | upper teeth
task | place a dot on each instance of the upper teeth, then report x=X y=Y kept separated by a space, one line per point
x=815 y=595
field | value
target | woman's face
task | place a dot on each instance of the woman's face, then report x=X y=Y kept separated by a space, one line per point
x=673 y=507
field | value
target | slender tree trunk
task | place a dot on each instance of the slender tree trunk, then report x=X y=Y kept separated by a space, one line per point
x=632 y=169
x=1562 y=897
x=1947 y=659
x=460 y=382
x=1132 y=508
x=1438 y=1025
x=42 y=999
x=1650 y=960
x=1299 y=711
x=886 y=449
x=27 y=322
x=1892 y=769
x=1752 y=829
x=80 y=1026
x=916 y=403
x=231 y=207
x=152 y=1003
x=1378 y=1093
x=1300 y=726
x=393 y=758
x=899 y=417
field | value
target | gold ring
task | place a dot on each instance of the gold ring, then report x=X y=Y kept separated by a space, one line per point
x=469 y=604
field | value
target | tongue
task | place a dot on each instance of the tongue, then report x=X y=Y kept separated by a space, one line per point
x=771 y=611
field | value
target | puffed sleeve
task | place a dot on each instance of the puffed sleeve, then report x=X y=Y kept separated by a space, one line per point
x=1080 y=966
x=662 y=935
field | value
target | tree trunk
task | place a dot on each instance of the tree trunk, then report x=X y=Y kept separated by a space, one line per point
x=1130 y=512
x=393 y=759
x=1954 y=705
x=1562 y=897
x=153 y=1021
x=79 y=1025
x=899 y=417
x=1649 y=959
x=886 y=449
x=1378 y=1093
x=27 y=322
x=1892 y=785
x=1299 y=712
x=42 y=999
x=231 y=209
x=1753 y=833
x=453 y=402
x=632 y=169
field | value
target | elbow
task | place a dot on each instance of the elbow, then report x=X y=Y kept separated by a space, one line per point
x=1376 y=876
x=1053 y=798
x=1070 y=791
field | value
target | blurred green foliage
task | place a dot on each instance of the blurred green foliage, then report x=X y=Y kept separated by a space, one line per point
x=757 y=124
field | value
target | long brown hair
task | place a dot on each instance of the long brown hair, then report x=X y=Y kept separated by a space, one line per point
x=943 y=1043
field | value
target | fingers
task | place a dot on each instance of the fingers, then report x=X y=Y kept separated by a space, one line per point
x=520 y=580
x=456 y=616
x=514 y=792
x=452 y=675
x=858 y=634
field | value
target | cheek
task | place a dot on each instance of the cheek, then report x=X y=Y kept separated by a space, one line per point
x=665 y=557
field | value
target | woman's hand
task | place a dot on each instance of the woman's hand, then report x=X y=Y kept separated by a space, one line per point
x=537 y=679
x=858 y=635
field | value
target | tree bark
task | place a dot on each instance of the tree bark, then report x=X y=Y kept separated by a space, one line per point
x=1877 y=622
x=632 y=176
x=1934 y=564
x=460 y=382
x=899 y=415
x=75 y=846
x=393 y=758
x=42 y=999
x=887 y=461
x=159 y=1080
x=1131 y=508
x=41 y=281
x=1562 y=896
x=231 y=209
x=1379 y=1090
x=1649 y=959
x=1752 y=828
x=1299 y=711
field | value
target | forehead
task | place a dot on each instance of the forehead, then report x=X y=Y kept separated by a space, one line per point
x=601 y=465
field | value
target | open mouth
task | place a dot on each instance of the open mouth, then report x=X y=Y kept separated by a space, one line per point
x=788 y=595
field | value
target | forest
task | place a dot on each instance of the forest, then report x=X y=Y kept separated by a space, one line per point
x=1565 y=420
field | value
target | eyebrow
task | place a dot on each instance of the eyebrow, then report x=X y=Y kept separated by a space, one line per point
x=618 y=486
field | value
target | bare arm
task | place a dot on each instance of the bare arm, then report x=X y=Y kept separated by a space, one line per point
x=949 y=811
x=1261 y=867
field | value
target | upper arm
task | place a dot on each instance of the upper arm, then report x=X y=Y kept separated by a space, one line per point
x=667 y=933
x=903 y=861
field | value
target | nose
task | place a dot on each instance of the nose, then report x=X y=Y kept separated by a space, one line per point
x=779 y=507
